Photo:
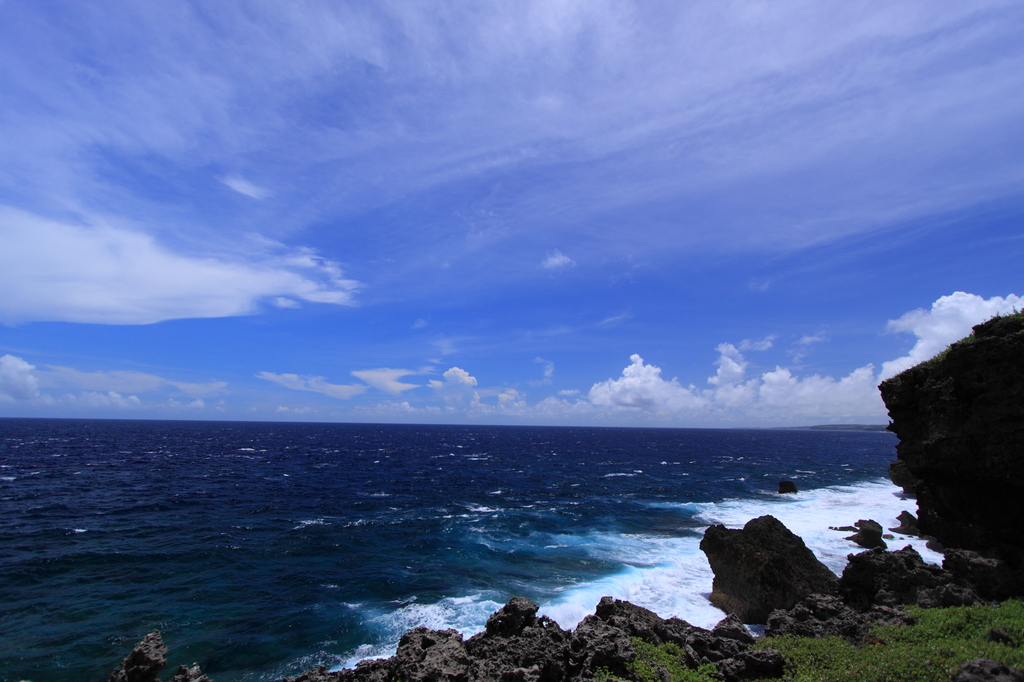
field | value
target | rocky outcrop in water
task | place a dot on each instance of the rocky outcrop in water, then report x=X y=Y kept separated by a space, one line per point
x=146 y=661
x=960 y=421
x=762 y=567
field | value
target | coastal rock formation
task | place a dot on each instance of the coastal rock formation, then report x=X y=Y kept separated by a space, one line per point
x=900 y=475
x=145 y=661
x=908 y=524
x=960 y=421
x=517 y=646
x=868 y=535
x=877 y=577
x=818 y=616
x=761 y=568
x=786 y=487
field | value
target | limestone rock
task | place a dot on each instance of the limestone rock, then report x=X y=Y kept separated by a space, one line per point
x=752 y=665
x=145 y=661
x=869 y=534
x=960 y=422
x=908 y=524
x=595 y=645
x=900 y=475
x=818 y=616
x=900 y=577
x=787 y=487
x=426 y=655
x=761 y=568
x=991 y=577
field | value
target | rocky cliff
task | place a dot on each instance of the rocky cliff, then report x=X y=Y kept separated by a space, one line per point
x=960 y=421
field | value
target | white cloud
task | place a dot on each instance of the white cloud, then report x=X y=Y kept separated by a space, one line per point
x=457 y=386
x=950 y=319
x=95 y=400
x=314 y=384
x=642 y=388
x=386 y=379
x=763 y=344
x=243 y=186
x=569 y=392
x=557 y=260
x=549 y=371
x=98 y=273
x=16 y=379
x=123 y=381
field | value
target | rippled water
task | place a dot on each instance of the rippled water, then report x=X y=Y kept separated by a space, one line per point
x=264 y=549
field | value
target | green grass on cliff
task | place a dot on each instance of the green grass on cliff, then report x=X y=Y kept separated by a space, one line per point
x=969 y=339
x=929 y=651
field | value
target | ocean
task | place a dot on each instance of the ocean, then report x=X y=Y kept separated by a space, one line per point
x=264 y=549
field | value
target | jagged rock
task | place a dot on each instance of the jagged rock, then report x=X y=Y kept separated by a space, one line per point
x=987 y=670
x=511 y=618
x=318 y=675
x=636 y=621
x=426 y=655
x=193 y=674
x=145 y=661
x=899 y=577
x=990 y=577
x=869 y=534
x=596 y=645
x=908 y=524
x=900 y=475
x=818 y=616
x=787 y=487
x=845 y=529
x=732 y=628
x=518 y=643
x=752 y=665
x=959 y=421
x=761 y=568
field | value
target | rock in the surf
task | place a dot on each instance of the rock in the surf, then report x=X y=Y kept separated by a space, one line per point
x=786 y=487
x=762 y=567
x=869 y=534
x=145 y=661
x=908 y=524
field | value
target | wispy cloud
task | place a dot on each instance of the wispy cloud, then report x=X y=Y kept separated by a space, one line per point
x=386 y=379
x=314 y=384
x=557 y=260
x=59 y=271
x=243 y=186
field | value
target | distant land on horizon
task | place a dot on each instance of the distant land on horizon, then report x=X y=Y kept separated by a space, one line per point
x=836 y=427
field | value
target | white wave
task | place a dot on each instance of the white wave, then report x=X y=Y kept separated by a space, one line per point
x=677 y=579
x=669 y=575
x=310 y=522
x=466 y=614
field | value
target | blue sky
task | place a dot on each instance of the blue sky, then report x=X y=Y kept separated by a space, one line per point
x=665 y=214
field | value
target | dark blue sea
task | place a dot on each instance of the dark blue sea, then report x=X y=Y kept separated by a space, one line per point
x=261 y=550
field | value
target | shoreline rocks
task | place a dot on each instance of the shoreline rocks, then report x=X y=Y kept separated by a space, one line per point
x=762 y=567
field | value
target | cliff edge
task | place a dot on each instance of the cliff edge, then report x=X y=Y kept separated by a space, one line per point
x=960 y=421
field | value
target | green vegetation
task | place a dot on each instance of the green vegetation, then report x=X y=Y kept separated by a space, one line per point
x=969 y=339
x=929 y=651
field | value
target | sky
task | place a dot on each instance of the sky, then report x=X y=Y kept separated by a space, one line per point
x=703 y=214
